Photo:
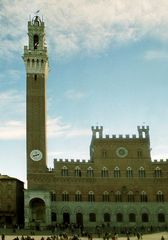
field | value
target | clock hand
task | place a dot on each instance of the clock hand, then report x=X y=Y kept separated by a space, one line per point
x=35 y=155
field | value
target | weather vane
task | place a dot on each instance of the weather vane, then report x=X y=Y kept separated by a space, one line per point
x=37 y=11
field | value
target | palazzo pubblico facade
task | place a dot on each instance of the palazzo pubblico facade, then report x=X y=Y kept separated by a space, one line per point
x=119 y=186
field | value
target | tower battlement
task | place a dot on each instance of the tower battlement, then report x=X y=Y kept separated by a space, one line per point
x=70 y=161
x=121 y=136
x=97 y=132
x=143 y=133
x=160 y=161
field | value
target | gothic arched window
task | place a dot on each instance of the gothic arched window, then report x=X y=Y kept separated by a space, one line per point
x=143 y=197
x=159 y=197
x=91 y=197
x=53 y=197
x=77 y=171
x=116 y=172
x=129 y=172
x=64 y=171
x=106 y=196
x=130 y=196
x=78 y=196
x=104 y=172
x=118 y=197
x=65 y=196
x=141 y=172
x=157 y=172
x=90 y=172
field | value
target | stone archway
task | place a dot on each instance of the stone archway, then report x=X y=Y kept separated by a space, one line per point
x=66 y=218
x=37 y=208
x=79 y=219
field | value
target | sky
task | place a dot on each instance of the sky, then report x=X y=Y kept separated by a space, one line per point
x=108 y=63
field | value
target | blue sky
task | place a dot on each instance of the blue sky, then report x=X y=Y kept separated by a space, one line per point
x=108 y=66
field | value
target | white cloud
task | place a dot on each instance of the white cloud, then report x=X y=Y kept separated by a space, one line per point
x=10 y=77
x=12 y=130
x=156 y=55
x=73 y=94
x=56 y=128
x=14 y=74
x=78 y=132
x=12 y=103
x=12 y=108
x=85 y=26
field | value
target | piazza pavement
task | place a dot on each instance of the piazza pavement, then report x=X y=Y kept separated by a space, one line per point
x=153 y=236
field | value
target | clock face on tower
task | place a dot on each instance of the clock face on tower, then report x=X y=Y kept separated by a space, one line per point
x=36 y=155
x=122 y=152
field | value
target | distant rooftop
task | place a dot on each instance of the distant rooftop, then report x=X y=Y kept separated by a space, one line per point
x=5 y=177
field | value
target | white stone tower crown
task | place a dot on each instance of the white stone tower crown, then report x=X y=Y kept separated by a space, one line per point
x=35 y=54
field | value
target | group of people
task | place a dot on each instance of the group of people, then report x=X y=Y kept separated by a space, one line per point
x=65 y=236
x=138 y=234
x=112 y=236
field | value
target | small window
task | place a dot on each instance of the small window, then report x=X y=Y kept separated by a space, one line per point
x=104 y=154
x=139 y=153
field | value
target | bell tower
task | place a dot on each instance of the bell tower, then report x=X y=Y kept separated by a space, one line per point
x=36 y=62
